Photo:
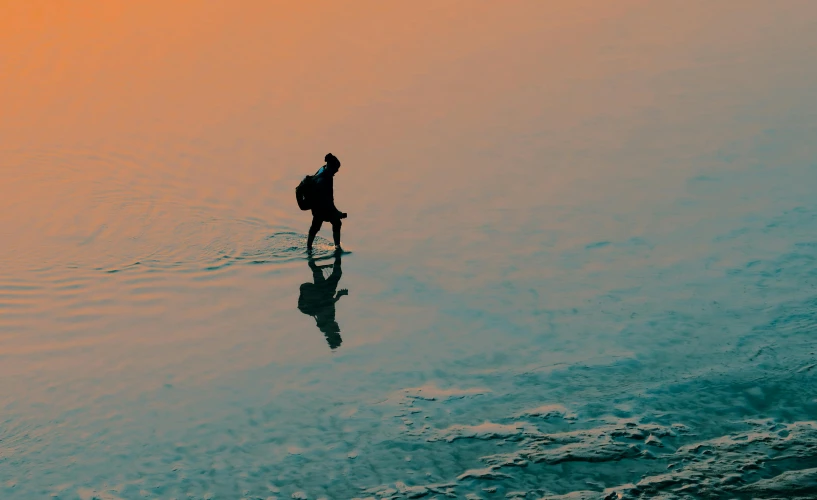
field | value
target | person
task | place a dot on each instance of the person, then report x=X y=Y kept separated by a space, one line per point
x=318 y=300
x=323 y=208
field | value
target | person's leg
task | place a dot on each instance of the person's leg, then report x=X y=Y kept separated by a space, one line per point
x=336 y=231
x=313 y=231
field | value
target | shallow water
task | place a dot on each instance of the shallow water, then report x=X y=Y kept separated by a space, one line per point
x=582 y=254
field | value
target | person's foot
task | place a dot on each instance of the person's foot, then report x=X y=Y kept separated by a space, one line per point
x=309 y=250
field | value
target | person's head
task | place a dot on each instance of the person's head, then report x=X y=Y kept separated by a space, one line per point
x=332 y=162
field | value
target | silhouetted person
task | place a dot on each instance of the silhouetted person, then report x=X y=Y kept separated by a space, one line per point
x=323 y=208
x=318 y=299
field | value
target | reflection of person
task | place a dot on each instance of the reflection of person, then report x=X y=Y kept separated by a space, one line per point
x=318 y=299
x=323 y=209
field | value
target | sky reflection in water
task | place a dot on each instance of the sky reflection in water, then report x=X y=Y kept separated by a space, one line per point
x=582 y=234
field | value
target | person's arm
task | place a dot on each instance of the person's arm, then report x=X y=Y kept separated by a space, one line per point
x=337 y=272
x=340 y=294
x=317 y=271
x=332 y=196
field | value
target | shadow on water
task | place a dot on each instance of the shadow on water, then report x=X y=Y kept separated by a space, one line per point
x=318 y=299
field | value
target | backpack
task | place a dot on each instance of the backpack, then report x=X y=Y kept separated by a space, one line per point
x=305 y=192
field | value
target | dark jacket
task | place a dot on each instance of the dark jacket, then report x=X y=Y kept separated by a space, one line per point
x=324 y=205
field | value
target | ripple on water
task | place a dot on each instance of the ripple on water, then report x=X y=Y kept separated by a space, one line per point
x=768 y=459
x=115 y=212
x=277 y=248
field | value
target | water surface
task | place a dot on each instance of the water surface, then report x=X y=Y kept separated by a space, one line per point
x=583 y=252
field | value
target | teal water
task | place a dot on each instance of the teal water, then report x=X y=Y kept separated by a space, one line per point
x=596 y=282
